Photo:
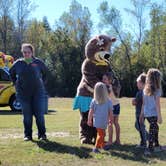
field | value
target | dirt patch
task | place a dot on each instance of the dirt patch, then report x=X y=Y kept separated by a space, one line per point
x=20 y=135
x=58 y=134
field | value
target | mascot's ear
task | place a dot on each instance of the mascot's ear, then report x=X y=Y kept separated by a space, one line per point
x=113 y=39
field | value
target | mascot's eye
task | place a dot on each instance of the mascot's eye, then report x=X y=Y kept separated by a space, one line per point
x=101 y=49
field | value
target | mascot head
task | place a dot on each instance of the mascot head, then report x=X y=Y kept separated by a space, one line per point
x=98 y=48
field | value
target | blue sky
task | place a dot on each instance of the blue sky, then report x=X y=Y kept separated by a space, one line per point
x=53 y=9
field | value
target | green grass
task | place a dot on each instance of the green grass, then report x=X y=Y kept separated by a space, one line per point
x=64 y=148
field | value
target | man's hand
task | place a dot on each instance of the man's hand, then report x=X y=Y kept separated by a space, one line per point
x=134 y=101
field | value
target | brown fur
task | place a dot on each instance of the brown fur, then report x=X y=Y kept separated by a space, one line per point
x=91 y=71
x=93 y=68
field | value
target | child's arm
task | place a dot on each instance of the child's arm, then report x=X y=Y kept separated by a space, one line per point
x=159 y=118
x=137 y=99
x=90 y=116
x=141 y=117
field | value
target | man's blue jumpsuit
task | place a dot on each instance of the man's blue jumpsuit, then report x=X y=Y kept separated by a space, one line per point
x=30 y=92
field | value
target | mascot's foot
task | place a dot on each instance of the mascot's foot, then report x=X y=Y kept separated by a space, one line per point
x=86 y=141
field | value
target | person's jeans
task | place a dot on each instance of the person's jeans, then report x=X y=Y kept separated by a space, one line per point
x=34 y=105
x=142 y=131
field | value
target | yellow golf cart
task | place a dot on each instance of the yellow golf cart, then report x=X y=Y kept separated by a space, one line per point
x=7 y=92
x=7 y=89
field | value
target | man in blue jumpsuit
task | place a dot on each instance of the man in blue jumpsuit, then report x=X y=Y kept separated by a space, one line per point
x=28 y=75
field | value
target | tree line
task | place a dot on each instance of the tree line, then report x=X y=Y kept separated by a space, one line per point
x=137 y=49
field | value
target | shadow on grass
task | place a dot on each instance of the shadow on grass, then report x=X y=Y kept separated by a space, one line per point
x=9 y=112
x=81 y=152
x=129 y=152
x=50 y=112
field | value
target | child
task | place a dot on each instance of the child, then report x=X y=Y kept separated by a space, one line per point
x=137 y=101
x=108 y=80
x=101 y=113
x=151 y=108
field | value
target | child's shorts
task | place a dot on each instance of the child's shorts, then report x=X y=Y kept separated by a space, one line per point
x=116 y=109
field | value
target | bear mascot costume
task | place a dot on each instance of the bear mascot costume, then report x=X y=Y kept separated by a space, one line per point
x=96 y=63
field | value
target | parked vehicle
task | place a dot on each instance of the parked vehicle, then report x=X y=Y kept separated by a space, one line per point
x=7 y=89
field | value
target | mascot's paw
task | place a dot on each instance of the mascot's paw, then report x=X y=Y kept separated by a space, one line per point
x=86 y=141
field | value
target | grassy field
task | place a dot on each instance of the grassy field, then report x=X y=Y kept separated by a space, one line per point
x=64 y=148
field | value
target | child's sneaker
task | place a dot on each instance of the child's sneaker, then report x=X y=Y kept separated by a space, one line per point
x=147 y=152
x=163 y=148
x=107 y=147
x=95 y=150
x=140 y=146
x=158 y=148
x=117 y=143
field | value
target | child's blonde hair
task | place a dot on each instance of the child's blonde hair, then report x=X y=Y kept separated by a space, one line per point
x=153 y=81
x=142 y=78
x=100 y=93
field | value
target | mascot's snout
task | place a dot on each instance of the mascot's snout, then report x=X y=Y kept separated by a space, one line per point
x=102 y=57
x=107 y=56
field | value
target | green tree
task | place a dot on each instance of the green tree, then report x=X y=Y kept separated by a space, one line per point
x=78 y=24
x=157 y=38
x=139 y=21
x=110 y=20
x=23 y=9
x=6 y=23
x=34 y=34
x=46 y=24
x=71 y=34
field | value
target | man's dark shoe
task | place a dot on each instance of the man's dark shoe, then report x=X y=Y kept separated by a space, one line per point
x=42 y=137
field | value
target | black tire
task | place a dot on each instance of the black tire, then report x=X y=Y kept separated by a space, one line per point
x=14 y=104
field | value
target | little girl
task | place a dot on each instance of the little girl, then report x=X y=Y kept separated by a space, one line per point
x=137 y=102
x=151 y=108
x=108 y=80
x=101 y=113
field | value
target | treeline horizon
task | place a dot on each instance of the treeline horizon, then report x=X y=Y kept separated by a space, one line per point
x=62 y=47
